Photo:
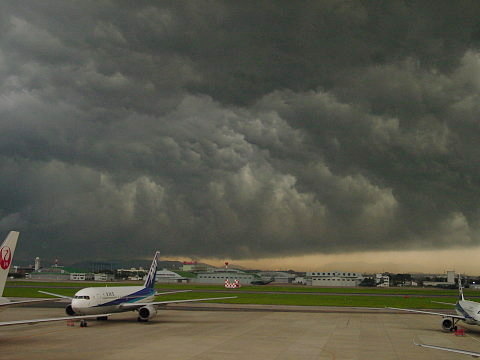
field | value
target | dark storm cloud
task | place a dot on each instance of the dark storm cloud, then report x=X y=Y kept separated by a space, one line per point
x=241 y=130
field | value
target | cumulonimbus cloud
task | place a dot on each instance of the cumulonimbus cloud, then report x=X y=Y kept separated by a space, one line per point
x=238 y=131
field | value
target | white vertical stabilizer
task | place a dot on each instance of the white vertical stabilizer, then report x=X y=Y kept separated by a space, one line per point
x=6 y=255
x=460 y=288
x=152 y=273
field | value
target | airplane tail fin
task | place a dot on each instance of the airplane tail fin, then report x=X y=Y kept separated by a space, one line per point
x=152 y=273
x=6 y=254
x=460 y=288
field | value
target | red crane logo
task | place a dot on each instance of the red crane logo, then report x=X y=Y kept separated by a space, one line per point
x=5 y=257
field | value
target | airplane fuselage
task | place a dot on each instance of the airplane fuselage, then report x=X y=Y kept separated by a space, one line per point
x=470 y=310
x=100 y=300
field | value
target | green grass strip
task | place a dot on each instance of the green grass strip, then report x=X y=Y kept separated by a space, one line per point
x=317 y=300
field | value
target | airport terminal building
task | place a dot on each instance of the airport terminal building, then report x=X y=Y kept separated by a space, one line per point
x=277 y=277
x=218 y=276
x=333 y=278
x=169 y=277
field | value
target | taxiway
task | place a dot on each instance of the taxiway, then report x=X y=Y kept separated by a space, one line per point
x=207 y=334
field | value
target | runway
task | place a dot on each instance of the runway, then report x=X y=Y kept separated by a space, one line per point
x=251 y=335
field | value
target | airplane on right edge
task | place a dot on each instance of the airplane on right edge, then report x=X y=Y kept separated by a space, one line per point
x=467 y=311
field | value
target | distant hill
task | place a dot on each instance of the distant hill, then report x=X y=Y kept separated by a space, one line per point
x=238 y=267
x=95 y=266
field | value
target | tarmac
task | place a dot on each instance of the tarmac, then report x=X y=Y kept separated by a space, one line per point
x=204 y=332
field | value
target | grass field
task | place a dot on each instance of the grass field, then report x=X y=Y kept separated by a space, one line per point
x=262 y=288
x=314 y=300
x=356 y=290
x=371 y=296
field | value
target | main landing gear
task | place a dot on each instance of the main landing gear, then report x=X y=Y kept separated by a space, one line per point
x=83 y=322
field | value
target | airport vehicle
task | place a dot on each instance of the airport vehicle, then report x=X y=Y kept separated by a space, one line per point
x=459 y=351
x=99 y=300
x=6 y=255
x=467 y=311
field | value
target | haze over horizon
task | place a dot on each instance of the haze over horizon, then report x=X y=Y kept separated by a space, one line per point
x=250 y=130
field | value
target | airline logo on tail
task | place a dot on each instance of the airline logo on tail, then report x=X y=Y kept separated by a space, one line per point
x=152 y=273
x=5 y=257
x=7 y=249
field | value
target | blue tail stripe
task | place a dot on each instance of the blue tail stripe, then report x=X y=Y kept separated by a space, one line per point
x=152 y=273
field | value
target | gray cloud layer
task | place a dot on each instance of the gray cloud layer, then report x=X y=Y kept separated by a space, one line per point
x=240 y=130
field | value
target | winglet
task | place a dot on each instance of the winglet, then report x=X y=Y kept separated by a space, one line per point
x=6 y=255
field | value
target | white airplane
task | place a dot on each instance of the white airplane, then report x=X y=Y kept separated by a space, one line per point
x=467 y=311
x=6 y=255
x=100 y=300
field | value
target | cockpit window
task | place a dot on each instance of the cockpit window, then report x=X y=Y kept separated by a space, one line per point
x=82 y=297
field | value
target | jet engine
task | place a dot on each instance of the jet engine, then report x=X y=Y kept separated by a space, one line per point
x=69 y=310
x=447 y=324
x=147 y=312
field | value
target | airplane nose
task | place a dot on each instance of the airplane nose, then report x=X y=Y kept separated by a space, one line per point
x=75 y=306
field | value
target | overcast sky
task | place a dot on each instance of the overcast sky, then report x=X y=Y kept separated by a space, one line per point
x=240 y=130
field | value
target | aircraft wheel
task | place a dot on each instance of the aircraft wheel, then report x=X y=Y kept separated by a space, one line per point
x=83 y=323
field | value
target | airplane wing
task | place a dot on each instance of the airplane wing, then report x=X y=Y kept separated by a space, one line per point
x=34 y=321
x=134 y=306
x=57 y=295
x=24 y=302
x=430 y=313
x=465 y=352
x=444 y=303
x=171 y=292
